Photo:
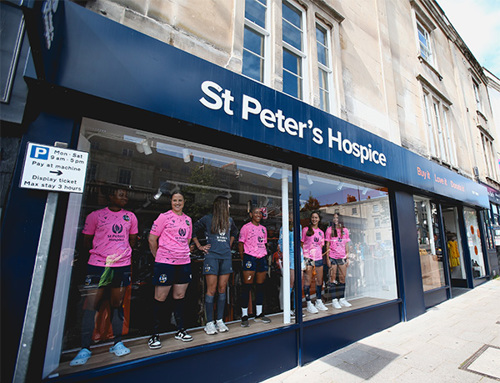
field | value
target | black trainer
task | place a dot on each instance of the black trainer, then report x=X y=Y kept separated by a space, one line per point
x=154 y=342
x=183 y=335
x=244 y=321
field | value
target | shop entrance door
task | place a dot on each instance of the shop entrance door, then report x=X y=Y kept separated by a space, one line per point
x=454 y=246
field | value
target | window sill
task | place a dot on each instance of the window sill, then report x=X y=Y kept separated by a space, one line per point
x=429 y=65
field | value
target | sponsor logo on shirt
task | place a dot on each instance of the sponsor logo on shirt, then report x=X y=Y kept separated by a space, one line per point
x=117 y=229
x=182 y=232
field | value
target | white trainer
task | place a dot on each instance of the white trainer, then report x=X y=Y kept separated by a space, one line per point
x=344 y=302
x=210 y=328
x=310 y=308
x=320 y=305
x=221 y=326
x=336 y=304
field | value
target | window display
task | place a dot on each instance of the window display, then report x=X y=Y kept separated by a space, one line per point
x=474 y=242
x=429 y=243
x=181 y=252
x=347 y=243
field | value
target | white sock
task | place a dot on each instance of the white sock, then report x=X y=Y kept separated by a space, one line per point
x=258 y=309
x=244 y=312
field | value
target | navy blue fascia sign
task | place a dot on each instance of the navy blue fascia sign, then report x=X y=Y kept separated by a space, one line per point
x=92 y=59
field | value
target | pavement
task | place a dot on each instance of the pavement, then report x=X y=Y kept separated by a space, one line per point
x=457 y=341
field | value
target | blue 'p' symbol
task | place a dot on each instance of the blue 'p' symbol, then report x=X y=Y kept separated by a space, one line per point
x=39 y=152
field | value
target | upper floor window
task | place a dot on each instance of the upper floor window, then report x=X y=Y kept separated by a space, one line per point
x=477 y=96
x=440 y=135
x=324 y=67
x=488 y=153
x=294 y=57
x=255 y=40
x=424 y=39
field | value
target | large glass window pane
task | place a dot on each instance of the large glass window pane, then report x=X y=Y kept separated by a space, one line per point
x=257 y=194
x=252 y=66
x=474 y=242
x=253 y=55
x=292 y=72
x=347 y=244
x=255 y=11
x=429 y=243
x=292 y=26
x=253 y=42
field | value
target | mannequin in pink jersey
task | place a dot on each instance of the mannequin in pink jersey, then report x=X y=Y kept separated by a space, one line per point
x=337 y=248
x=313 y=240
x=169 y=243
x=253 y=252
x=109 y=236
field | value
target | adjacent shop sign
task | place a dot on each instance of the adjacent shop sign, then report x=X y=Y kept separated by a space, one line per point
x=54 y=169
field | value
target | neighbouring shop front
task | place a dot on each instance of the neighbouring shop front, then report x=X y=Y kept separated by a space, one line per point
x=155 y=120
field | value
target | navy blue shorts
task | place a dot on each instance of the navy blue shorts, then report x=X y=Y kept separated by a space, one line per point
x=168 y=275
x=214 y=266
x=100 y=276
x=310 y=262
x=250 y=263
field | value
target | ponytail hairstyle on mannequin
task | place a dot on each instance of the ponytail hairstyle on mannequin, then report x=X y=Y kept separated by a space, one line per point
x=339 y=225
x=310 y=230
x=220 y=219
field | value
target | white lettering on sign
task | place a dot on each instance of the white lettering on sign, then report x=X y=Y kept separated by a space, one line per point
x=216 y=98
x=55 y=169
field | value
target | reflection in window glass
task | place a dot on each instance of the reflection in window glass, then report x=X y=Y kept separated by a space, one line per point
x=161 y=167
x=357 y=258
x=254 y=39
x=255 y=11
x=429 y=243
x=474 y=243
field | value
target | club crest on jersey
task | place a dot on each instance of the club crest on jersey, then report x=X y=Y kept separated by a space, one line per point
x=117 y=229
x=162 y=278
x=187 y=222
x=126 y=218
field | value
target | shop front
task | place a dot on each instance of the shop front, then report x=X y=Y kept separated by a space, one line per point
x=157 y=122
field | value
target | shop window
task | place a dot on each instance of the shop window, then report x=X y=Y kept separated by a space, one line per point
x=454 y=245
x=12 y=32
x=294 y=56
x=430 y=244
x=202 y=174
x=474 y=243
x=255 y=40
x=355 y=267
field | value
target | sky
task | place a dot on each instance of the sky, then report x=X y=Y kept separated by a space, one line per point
x=478 y=24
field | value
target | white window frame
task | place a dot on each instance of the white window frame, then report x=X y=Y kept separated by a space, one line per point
x=328 y=69
x=440 y=135
x=477 y=94
x=488 y=154
x=266 y=34
x=426 y=52
x=301 y=54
